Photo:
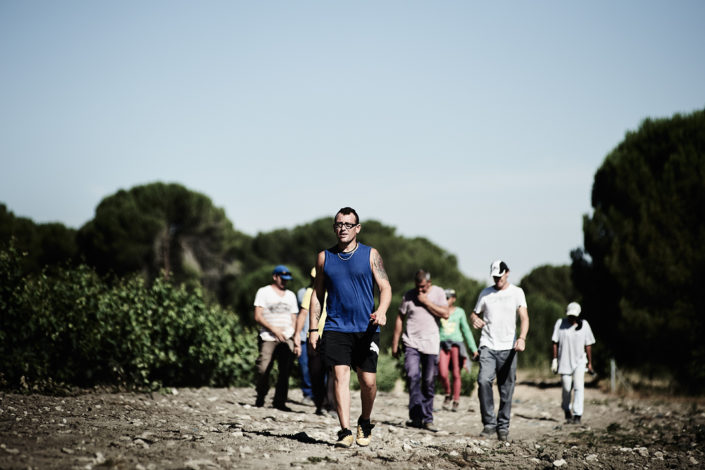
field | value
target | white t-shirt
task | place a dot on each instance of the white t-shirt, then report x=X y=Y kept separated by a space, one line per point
x=571 y=344
x=277 y=310
x=499 y=311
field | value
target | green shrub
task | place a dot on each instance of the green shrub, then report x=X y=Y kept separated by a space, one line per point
x=73 y=327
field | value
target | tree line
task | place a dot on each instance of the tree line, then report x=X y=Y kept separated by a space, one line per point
x=638 y=275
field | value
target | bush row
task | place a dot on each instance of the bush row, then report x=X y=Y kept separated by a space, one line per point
x=71 y=326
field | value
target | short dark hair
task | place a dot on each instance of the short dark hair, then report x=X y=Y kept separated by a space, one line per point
x=422 y=275
x=347 y=211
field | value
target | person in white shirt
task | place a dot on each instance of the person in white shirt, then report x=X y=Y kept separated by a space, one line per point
x=276 y=310
x=499 y=305
x=572 y=353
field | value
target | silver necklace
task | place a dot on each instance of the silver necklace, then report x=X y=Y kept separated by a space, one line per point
x=348 y=254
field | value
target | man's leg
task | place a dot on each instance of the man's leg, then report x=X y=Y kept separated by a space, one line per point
x=487 y=374
x=443 y=362
x=318 y=377
x=368 y=392
x=506 y=378
x=456 y=360
x=342 y=394
x=285 y=358
x=306 y=386
x=567 y=387
x=428 y=386
x=412 y=367
x=264 y=365
x=578 y=390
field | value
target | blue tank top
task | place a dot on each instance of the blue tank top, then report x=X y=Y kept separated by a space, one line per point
x=350 y=287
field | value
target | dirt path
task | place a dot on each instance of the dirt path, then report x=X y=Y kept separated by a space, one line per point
x=211 y=428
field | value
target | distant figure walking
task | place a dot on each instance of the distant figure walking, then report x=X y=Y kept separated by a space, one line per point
x=275 y=312
x=572 y=353
x=347 y=272
x=499 y=306
x=453 y=353
x=422 y=307
x=321 y=385
x=302 y=322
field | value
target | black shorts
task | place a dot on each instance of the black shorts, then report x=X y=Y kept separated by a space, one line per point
x=351 y=349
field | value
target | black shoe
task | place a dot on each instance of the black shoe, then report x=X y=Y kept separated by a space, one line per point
x=503 y=435
x=283 y=408
x=412 y=423
x=428 y=426
x=259 y=402
x=576 y=419
x=568 y=417
x=487 y=431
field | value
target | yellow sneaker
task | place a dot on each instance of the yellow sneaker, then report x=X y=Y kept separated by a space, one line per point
x=364 y=433
x=345 y=438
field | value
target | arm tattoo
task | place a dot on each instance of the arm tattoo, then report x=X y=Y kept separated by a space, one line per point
x=379 y=266
x=316 y=308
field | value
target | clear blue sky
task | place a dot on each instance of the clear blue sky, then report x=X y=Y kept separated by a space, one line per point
x=478 y=125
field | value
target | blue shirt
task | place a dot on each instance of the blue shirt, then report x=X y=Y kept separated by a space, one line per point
x=350 y=287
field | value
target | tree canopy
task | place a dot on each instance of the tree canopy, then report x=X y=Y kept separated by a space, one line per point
x=162 y=227
x=42 y=244
x=643 y=267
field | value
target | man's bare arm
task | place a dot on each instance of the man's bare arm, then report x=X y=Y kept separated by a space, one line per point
x=317 y=299
x=259 y=319
x=435 y=310
x=379 y=317
x=520 y=343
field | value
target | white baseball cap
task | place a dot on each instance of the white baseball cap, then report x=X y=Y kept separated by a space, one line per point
x=573 y=309
x=498 y=268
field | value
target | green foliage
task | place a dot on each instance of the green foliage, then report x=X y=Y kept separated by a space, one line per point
x=543 y=314
x=163 y=227
x=72 y=327
x=644 y=266
x=552 y=282
x=548 y=291
x=43 y=244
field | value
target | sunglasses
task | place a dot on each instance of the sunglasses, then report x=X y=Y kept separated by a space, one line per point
x=339 y=225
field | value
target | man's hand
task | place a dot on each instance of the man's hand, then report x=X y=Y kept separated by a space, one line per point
x=554 y=365
x=396 y=351
x=378 y=318
x=313 y=339
x=520 y=344
x=423 y=297
x=279 y=335
x=297 y=345
x=477 y=322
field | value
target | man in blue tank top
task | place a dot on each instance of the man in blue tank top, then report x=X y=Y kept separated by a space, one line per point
x=348 y=272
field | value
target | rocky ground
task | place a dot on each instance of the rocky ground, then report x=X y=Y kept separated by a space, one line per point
x=213 y=428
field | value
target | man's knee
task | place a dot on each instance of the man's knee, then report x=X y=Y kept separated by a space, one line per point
x=484 y=381
x=413 y=374
x=367 y=380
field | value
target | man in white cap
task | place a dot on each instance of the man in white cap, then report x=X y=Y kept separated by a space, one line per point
x=572 y=353
x=496 y=314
